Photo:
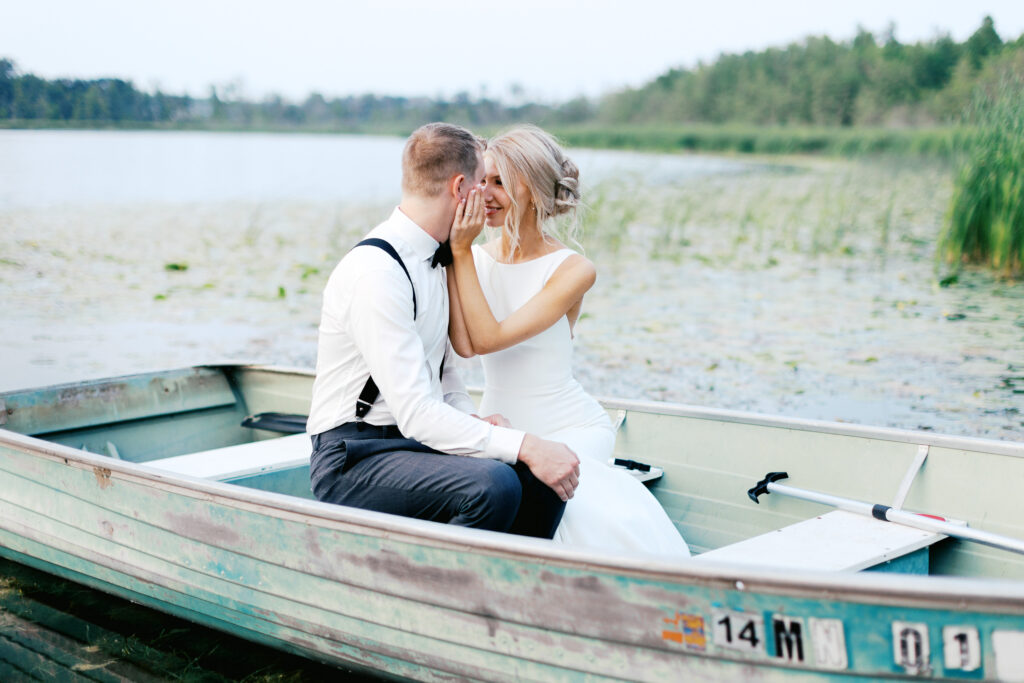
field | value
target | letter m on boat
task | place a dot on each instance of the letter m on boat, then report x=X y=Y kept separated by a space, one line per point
x=789 y=638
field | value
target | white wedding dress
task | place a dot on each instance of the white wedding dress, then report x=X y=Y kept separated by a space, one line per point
x=532 y=385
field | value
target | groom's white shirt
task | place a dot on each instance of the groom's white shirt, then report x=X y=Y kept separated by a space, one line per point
x=367 y=328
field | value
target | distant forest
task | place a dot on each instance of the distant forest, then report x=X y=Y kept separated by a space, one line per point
x=871 y=80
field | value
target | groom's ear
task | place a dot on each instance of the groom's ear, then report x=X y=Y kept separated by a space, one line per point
x=455 y=185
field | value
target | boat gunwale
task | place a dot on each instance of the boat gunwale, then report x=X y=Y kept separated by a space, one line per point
x=911 y=436
x=669 y=409
x=936 y=592
x=967 y=443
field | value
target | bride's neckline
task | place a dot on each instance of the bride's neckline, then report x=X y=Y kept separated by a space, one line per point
x=523 y=263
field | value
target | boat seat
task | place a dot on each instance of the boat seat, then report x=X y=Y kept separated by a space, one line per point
x=835 y=541
x=246 y=459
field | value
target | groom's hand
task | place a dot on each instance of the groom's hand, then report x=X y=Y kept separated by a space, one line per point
x=552 y=463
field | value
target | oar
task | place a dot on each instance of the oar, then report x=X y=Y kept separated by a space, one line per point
x=885 y=513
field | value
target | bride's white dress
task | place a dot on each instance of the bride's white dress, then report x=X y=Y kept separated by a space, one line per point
x=532 y=385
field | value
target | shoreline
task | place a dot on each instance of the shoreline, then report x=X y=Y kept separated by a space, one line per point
x=932 y=142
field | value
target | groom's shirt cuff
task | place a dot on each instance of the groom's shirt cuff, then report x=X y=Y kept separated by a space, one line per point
x=505 y=444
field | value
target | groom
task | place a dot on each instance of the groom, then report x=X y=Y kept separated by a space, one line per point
x=391 y=423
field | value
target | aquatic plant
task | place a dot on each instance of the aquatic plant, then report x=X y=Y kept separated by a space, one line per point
x=770 y=214
x=985 y=224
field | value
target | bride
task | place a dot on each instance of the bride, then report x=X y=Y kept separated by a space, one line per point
x=515 y=301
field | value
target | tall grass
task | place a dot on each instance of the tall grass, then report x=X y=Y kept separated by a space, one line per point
x=985 y=224
x=869 y=208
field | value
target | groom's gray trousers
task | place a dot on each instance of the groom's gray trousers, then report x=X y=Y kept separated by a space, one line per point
x=376 y=468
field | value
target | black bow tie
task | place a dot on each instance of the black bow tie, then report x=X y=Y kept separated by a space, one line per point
x=442 y=256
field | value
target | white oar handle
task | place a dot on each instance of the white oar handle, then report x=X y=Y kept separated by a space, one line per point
x=885 y=513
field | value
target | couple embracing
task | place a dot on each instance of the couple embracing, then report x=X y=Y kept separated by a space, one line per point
x=392 y=426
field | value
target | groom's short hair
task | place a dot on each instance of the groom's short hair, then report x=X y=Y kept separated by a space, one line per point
x=434 y=153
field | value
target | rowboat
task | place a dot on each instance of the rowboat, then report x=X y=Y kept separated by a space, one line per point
x=151 y=487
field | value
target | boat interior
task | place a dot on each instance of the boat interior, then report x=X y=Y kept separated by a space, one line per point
x=199 y=422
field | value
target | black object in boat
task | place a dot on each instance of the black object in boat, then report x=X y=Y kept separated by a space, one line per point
x=277 y=422
x=632 y=464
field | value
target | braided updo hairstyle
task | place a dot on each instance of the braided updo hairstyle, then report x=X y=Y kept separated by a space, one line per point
x=529 y=156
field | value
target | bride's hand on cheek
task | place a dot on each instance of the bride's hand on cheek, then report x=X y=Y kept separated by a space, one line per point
x=469 y=221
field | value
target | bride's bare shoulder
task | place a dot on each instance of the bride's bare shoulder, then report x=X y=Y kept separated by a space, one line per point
x=578 y=269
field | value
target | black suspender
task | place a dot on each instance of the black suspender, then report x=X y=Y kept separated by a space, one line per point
x=370 y=391
x=386 y=246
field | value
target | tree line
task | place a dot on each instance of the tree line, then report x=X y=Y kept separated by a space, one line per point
x=867 y=81
x=870 y=80
x=28 y=99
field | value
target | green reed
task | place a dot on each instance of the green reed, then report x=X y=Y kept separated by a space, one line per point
x=985 y=224
x=868 y=207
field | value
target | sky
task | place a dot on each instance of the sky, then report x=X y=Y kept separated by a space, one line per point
x=514 y=50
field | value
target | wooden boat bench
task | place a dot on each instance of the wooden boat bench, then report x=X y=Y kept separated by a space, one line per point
x=835 y=541
x=241 y=460
x=286 y=452
x=293 y=450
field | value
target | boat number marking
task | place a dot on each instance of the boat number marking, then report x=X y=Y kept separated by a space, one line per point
x=829 y=643
x=789 y=635
x=910 y=648
x=1008 y=647
x=961 y=648
x=738 y=630
x=687 y=630
x=822 y=642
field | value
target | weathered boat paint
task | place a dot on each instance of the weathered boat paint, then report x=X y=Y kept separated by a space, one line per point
x=420 y=600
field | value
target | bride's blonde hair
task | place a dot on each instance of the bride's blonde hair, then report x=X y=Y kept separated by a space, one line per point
x=528 y=155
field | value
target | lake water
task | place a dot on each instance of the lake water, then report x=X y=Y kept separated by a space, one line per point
x=88 y=168
x=808 y=289
x=77 y=168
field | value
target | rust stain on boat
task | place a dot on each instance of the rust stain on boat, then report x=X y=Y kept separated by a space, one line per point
x=405 y=572
x=86 y=394
x=584 y=584
x=102 y=475
x=313 y=543
x=204 y=530
x=492 y=620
